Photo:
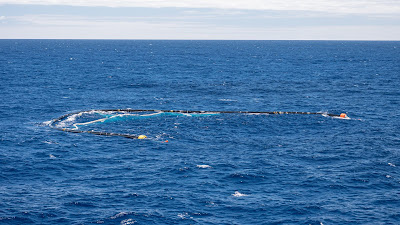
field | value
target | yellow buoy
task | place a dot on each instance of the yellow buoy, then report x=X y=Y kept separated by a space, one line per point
x=343 y=115
x=142 y=137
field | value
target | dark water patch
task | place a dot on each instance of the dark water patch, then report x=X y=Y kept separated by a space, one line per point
x=16 y=220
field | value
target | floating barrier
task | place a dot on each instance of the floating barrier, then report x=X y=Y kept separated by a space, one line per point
x=55 y=123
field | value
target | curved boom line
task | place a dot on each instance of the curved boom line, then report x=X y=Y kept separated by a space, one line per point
x=59 y=119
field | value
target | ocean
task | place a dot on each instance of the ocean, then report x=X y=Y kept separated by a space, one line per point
x=201 y=169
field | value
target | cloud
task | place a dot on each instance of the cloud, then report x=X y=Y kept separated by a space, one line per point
x=219 y=20
x=80 y=27
x=337 y=6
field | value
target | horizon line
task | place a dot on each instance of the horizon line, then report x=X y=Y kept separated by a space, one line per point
x=160 y=39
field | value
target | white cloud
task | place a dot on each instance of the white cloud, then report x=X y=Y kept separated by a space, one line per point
x=78 y=27
x=217 y=19
x=336 y=6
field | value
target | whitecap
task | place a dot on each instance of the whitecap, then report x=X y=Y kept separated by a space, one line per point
x=238 y=194
x=119 y=215
x=227 y=100
x=128 y=221
x=391 y=164
x=52 y=156
x=50 y=142
x=183 y=215
x=204 y=166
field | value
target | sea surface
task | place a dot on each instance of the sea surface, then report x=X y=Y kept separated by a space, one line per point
x=216 y=169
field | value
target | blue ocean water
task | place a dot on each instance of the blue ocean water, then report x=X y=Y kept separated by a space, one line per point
x=219 y=169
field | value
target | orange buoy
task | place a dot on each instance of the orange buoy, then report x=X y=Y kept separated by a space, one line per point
x=166 y=141
x=343 y=115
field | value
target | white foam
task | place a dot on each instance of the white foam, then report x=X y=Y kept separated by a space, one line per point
x=101 y=120
x=266 y=114
x=52 y=156
x=204 y=166
x=119 y=215
x=345 y=118
x=152 y=114
x=90 y=122
x=325 y=114
x=184 y=215
x=47 y=122
x=68 y=120
x=128 y=221
x=238 y=194
x=227 y=100
x=391 y=164
x=50 y=142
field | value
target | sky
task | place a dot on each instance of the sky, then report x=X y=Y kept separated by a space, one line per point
x=201 y=19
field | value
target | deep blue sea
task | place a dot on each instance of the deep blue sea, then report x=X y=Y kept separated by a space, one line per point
x=218 y=169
